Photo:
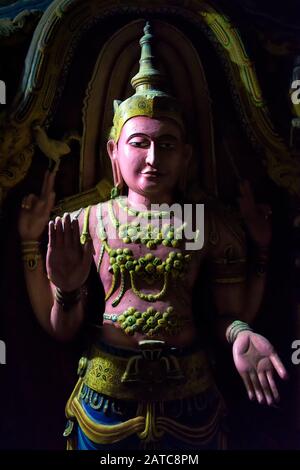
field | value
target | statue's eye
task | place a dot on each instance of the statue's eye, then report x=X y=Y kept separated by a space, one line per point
x=167 y=145
x=139 y=143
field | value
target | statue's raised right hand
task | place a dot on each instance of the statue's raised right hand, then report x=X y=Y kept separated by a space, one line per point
x=68 y=262
x=35 y=212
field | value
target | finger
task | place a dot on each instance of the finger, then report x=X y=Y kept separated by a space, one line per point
x=51 y=181
x=279 y=367
x=51 y=234
x=45 y=205
x=257 y=388
x=59 y=233
x=249 y=386
x=29 y=201
x=45 y=182
x=40 y=204
x=32 y=200
x=265 y=387
x=67 y=228
x=49 y=184
x=273 y=386
x=50 y=202
x=24 y=203
x=76 y=232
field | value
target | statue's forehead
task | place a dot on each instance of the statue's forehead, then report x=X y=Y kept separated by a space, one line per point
x=149 y=126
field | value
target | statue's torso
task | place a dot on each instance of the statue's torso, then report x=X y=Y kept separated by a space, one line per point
x=135 y=277
x=167 y=273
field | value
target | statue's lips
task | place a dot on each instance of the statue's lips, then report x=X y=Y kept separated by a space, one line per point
x=153 y=173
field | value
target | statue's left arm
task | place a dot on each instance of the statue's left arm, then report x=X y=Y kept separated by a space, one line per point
x=255 y=358
x=257 y=221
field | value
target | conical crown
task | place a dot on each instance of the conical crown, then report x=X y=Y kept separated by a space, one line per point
x=149 y=98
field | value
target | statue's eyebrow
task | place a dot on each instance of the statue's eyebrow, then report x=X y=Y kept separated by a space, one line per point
x=168 y=137
x=160 y=137
x=137 y=134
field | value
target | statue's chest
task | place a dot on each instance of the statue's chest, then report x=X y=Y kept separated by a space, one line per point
x=151 y=253
x=150 y=265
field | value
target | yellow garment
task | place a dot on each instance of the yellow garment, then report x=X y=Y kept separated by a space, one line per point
x=184 y=377
x=136 y=377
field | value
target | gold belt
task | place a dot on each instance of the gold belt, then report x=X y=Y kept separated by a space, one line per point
x=150 y=374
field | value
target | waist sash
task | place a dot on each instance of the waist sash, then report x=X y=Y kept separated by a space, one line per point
x=151 y=373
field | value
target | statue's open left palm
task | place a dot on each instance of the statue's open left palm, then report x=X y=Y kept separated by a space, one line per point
x=256 y=361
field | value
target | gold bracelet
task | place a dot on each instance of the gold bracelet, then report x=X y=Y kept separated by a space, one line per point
x=234 y=329
x=67 y=299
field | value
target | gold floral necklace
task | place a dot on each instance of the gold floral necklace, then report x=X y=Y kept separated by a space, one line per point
x=149 y=267
x=140 y=231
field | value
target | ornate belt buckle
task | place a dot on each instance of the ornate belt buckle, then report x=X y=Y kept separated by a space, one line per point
x=152 y=349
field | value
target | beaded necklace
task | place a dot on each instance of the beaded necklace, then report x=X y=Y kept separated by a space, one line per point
x=149 y=267
x=138 y=231
x=150 y=322
x=141 y=214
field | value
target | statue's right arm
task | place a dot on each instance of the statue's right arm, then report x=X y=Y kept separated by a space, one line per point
x=68 y=265
x=33 y=219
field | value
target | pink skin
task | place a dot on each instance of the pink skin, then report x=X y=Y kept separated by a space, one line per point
x=256 y=361
x=36 y=210
x=68 y=261
x=150 y=156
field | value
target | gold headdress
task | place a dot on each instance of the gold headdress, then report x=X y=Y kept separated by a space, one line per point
x=149 y=99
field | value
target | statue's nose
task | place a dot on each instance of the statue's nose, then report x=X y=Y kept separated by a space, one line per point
x=151 y=154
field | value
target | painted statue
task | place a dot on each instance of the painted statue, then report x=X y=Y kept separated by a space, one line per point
x=146 y=381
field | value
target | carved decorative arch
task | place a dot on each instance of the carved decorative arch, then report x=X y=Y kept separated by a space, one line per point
x=50 y=55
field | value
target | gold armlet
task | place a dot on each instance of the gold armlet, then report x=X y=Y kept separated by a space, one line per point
x=31 y=254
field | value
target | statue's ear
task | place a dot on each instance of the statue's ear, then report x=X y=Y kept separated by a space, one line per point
x=116 y=104
x=112 y=150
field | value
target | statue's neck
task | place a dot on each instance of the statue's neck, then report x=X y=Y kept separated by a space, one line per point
x=140 y=202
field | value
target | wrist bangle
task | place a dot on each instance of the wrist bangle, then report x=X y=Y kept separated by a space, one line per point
x=31 y=254
x=67 y=299
x=235 y=328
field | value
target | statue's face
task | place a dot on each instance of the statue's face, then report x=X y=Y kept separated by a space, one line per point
x=151 y=155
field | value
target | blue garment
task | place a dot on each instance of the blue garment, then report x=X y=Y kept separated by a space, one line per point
x=190 y=412
x=202 y=415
